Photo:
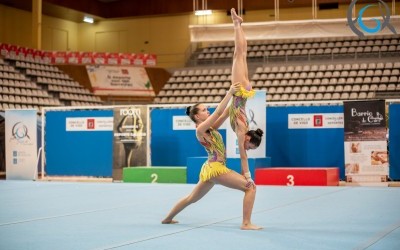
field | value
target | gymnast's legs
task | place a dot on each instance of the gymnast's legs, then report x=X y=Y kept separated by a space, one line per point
x=239 y=65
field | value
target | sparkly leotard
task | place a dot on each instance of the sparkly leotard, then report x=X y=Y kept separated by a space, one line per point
x=237 y=109
x=215 y=164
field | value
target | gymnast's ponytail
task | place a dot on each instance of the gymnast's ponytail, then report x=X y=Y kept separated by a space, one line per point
x=188 y=110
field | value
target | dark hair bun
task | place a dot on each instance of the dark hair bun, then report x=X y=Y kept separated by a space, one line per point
x=188 y=110
x=259 y=132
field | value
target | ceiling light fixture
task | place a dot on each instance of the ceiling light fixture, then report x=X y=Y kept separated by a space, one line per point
x=203 y=12
x=87 y=19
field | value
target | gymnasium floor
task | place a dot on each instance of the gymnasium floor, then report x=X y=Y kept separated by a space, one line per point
x=79 y=215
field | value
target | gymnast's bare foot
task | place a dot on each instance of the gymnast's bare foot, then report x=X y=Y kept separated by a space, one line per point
x=250 y=227
x=237 y=20
x=167 y=221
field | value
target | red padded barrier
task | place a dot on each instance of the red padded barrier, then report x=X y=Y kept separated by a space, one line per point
x=297 y=176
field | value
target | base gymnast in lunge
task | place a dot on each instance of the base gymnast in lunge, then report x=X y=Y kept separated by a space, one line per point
x=214 y=170
x=237 y=109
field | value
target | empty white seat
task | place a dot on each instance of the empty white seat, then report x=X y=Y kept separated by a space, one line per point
x=284 y=97
x=339 y=88
x=391 y=87
x=335 y=96
x=356 y=88
x=301 y=97
x=382 y=87
x=353 y=96
x=330 y=88
x=297 y=89
x=344 y=96
x=347 y=88
x=293 y=97
x=327 y=96
x=364 y=87
x=376 y=79
x=318 y=96
x=276 y=97
x=305 y=89
x=310 y=96
x=362 y=95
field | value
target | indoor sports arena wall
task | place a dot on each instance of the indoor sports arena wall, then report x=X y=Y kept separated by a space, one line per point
x=394 y=141
x=77 y=153
x=286 y=147
x=90 y=154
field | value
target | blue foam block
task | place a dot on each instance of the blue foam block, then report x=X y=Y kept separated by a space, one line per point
x=194 y=165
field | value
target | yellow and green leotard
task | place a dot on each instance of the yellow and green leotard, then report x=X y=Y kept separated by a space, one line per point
x=215 y=164
x=237 y=109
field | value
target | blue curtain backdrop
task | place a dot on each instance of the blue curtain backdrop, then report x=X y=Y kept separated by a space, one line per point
x=169 y=147
x=287 y=148
x=304 y=147
x=90 y=153
x=77 y=153
x=394 y=141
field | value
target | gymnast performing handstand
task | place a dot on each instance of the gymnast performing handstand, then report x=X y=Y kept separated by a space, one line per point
x=237 y=109
x=214 y=170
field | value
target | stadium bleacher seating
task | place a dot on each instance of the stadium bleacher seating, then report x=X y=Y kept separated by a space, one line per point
x=295 y=70
x=27 y=84
x=320 y=69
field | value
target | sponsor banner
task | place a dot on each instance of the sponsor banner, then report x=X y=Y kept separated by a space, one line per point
x=89 y=123
x=47 y=56
x=364 y=121
x=113 y=58
x=4 y=48
x=59 y=57
x=366 y=158
x=180 y=122
x=256 y=118
x=99 y=57
x=119 y=80
x=76 y=57
x=365 y=141
x=21 y=144
x=307 y=121
x=130 y=138
x=87 y=57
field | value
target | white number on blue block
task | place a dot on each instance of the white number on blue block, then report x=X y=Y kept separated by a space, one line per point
x=154 y=177
x=291 y=180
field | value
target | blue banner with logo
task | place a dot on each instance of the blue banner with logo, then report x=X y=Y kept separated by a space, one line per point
x=79 y=143
x=394 y=141
x=320 y=144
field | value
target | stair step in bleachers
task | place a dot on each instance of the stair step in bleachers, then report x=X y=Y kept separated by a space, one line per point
x=299 y=176
x=303 y=50
x=302 y=82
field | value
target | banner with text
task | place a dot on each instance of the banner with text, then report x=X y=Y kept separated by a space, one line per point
x=119 y=80
x=130 y=138
x=365 y=145
x=256 y=118
x=21 y=144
